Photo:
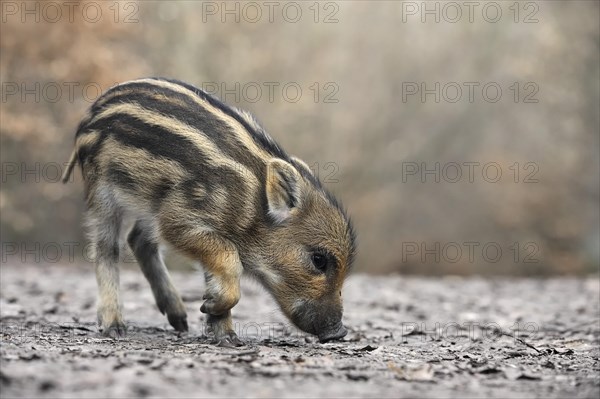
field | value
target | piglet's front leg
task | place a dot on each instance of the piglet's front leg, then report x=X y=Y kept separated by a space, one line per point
x=223 y=270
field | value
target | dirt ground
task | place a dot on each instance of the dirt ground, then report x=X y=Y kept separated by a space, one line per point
x=409 y=337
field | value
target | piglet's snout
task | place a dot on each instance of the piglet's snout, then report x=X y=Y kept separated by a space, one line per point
x=337 y=332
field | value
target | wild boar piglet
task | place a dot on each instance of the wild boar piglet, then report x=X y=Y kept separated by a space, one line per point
x=206 y=179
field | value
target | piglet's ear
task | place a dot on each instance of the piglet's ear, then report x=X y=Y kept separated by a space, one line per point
x=283 y=189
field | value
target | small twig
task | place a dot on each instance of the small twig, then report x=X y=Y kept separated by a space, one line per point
x=497 y=330
x=64 y=327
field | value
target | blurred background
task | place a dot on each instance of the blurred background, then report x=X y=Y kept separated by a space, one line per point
x=463 y=139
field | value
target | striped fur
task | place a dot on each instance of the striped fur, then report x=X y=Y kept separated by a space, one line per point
x=207 y=179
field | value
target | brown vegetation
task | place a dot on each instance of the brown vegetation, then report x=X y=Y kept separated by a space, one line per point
x=359 y=144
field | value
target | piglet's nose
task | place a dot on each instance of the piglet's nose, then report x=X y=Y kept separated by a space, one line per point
x=337 y=332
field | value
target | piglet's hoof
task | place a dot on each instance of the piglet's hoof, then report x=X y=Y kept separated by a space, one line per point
x=229 y=340
x=116 y=330
x=179 y=323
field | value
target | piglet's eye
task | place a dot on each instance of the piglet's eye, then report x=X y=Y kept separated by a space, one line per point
x=320 y=261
